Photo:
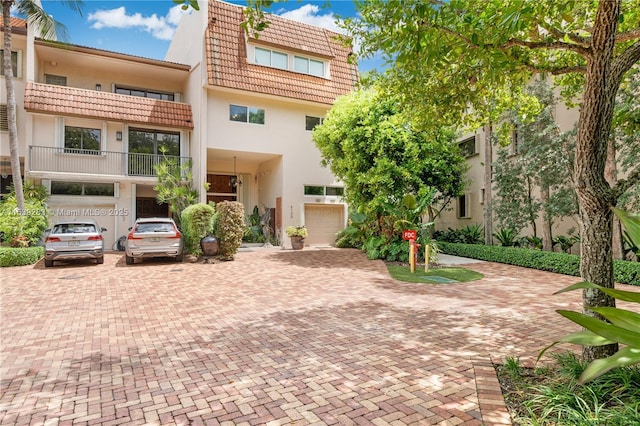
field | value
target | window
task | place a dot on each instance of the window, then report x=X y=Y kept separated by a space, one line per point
x=14 y=63
x=144 y=93
x=317 y=190
x=143 y=141
x=312 y=122
x=468 y=147
x=308 y=66
x=82 y=188
x=515 y=140
x=245 y=114
x=57 y=80
x=4 y=118
x=464 y=207
x=271 y=58
x=79 y=140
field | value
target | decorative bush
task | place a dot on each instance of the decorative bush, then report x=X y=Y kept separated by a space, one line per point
x=569 y=264
x=197 y=222
x=24 y=227
x=297 y=231
x=230 y=227
x=10 y=256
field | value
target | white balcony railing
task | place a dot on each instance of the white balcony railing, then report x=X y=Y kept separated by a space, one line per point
x=68 y=160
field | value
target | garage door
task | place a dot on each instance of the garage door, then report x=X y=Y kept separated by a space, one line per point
x=323 y=223
x=102 y=214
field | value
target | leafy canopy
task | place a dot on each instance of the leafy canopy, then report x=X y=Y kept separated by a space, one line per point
x=381 y=157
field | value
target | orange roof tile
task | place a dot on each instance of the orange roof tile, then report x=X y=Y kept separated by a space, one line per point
x=15 y=23
x=227 y=64
x=71 y=101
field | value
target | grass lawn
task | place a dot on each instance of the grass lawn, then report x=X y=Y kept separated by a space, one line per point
x=403 y=273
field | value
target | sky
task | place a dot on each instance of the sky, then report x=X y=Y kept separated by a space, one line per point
x=144 y=28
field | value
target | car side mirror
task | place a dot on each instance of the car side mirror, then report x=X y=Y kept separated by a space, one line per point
x=130 y=228
x=103 y=229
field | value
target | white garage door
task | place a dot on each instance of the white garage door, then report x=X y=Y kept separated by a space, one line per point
x=102 y=214
x=323 y=223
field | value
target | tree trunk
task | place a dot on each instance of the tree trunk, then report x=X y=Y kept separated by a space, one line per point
x=530 y=211
x=11 y=106
x=593 y=191
x=547 y=236
x=611 y=174
x=488 y=182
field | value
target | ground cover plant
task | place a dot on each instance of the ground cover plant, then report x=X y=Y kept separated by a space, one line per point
x=551 y=395
x=403 y=273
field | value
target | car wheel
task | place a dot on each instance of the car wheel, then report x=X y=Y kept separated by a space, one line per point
x=48 y=263
x=100 y=260
x=128 y=259
x=179 y=258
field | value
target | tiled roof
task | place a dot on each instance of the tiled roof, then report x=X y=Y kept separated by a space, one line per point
x=71 y=101
x=227 y=64
x=15 y=22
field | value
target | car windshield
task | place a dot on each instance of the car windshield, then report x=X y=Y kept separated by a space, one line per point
x=155 y=227
x=74 y=228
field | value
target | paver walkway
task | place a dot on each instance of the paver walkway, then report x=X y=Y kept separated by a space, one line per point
x=275 y=337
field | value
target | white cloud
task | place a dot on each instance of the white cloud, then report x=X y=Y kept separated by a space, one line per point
x=161 y=28
x=309 y=14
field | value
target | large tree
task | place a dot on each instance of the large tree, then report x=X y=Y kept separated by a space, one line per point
x=47 y=28
x=449 y=57
x=374 y=149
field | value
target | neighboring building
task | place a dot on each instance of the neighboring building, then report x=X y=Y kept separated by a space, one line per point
x=469 y=208
x=93 y=123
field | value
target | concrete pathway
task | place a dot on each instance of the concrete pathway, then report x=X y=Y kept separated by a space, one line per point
x=318 y=336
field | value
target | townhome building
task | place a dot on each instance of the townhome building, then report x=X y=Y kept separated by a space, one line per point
x=92 y=124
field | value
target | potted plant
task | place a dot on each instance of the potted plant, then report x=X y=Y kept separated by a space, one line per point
x=297 y=235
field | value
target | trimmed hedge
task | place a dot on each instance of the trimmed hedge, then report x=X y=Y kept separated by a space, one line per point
x=10 y=256
x=569 y=264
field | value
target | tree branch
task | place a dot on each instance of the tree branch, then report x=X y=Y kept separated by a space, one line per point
x=624 y=184
x=628 y=35
x=560 y=35
x=555 y=70
x=623 y=62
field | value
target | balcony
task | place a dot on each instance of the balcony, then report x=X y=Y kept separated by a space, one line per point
x=66 y=160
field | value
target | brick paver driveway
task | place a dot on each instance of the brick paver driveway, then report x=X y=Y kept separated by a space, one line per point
x=275 y=337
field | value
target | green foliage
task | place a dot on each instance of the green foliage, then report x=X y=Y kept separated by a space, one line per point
x=552 y=396
x=27 y=226
x=296 y=231
x=403 y=273
x=381 y=157
x=625 y=272
x=198 y=220
x=354 y=234
x=470 y=234
x=229 y=227
x=10 y=256
x=507 y=237
x=533 y=242
x=617 y=326
x=539 y=156
x=565 y=242
x=175 y=186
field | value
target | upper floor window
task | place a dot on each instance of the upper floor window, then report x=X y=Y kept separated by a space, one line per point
x=312 y=122
x=516 y=140
x=464 y=206
x=58 y=80
x=144 y=93
x=271 y=58
x=143 y=141
x=308 y=66
x=246 y=114
x=80 y=140
x=468 y=146
x=14 y=63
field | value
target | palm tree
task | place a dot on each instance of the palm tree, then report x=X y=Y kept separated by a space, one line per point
x=49 y=29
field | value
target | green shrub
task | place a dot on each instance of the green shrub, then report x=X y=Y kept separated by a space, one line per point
x=563 y=263
x=10 y=256
x=230 y=227
x=197 y=222
x=24 y=227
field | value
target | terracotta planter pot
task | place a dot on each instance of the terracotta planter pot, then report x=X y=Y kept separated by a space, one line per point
x=297 y=242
